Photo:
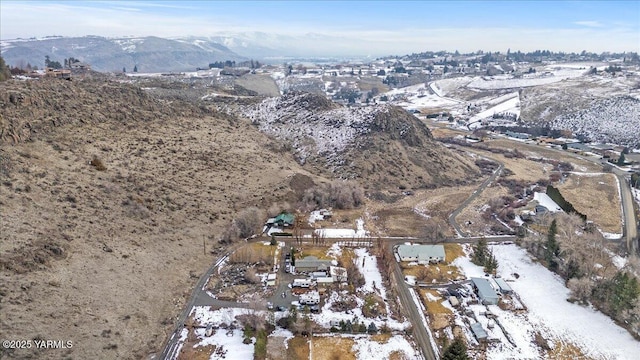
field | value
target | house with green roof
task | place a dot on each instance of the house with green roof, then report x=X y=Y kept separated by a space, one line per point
x=283 y=220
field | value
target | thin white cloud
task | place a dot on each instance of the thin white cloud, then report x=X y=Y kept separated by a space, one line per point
x=24 y=19
x=589 y=23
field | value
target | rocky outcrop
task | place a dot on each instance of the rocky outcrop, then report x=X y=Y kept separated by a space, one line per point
x=382 y=145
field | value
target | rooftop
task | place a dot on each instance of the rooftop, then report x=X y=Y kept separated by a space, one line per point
x=421 y=252
x=478 y=331
x=484 y=288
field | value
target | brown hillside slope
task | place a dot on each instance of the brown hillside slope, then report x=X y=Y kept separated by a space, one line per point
x=106 y=258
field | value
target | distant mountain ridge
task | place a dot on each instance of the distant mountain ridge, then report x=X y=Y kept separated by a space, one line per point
x=148 y=54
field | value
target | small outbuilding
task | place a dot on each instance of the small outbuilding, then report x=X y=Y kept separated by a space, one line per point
x=271 y=279
x=479 y=332
x=504 y=287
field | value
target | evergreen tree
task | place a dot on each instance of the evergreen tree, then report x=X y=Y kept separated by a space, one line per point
x=552 y=247
x=491 y=263
x=621 y=159
x=124 y=70
x=456 y=351
x=135 y=68
x=480 y=251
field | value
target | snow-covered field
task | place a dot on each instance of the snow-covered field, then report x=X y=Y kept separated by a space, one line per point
x=544 y=200
x=228 y=343
x=419 y=96
x=367 y=349
x=549 y=313
x=358 y=233
x=509 y=105
x=368 y=266
x=528 y=80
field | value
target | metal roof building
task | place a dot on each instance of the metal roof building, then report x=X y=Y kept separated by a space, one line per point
x=504 y=287
x=421 y=253
x=487 y=295
x=479 y=332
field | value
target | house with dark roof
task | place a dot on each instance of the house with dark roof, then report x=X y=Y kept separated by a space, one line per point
x=311 y=264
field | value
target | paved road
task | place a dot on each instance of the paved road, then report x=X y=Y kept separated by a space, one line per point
x=630 y=230
x=198 y=297
x=630 y=225
x=412 y=313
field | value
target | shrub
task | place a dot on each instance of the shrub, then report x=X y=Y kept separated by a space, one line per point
x=337 y=194
x=98 y=164
x=248 y=221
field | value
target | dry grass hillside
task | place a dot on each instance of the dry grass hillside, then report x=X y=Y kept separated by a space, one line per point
x=113 y=198
x=106 y=197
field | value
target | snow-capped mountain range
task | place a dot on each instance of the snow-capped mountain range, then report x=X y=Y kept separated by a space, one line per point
x=148 y=54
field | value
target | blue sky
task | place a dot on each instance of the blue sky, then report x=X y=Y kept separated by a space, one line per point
x=377 y=27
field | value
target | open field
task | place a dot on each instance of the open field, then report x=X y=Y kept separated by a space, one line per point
x=408 y=215
x=471 y=220
x=254 y=253
x=597 y=197
x=541 y=151
x=441 y=272
x=440 y=316
x=333 y=348
x=318 y=251
x=298 y=348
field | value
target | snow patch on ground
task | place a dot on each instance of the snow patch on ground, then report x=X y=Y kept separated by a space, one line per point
x=545 y=296
x=359 y=232
x=544 y=200
x=367 y=349
x=368 y=266
x=528 y=80
x=230 y=341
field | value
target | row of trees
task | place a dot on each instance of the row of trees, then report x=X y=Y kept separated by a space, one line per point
x=579 y=253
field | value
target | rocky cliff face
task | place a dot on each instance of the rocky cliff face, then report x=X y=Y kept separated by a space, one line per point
x=381 y=145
